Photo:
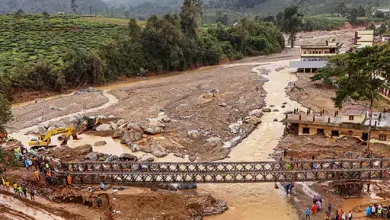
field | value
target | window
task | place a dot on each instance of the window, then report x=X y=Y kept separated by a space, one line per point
x=350 y=133
x=382 y=137
x=335 y=133
x=351 y=117
x=320 y=132
x=319 y=52
x=365 y=136
x=306 y=130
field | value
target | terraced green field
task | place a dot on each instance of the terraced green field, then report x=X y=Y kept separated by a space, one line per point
x=33 y=37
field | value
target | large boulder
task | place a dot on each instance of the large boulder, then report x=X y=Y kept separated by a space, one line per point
x=156 y=122
x=214 y=141
x=163 y=118
x=266 y=110
x=153 y=130
x=134 y=126
x=112 y=158
x=183 y=186
x=104 y=127
x=194 y=134
x=131 y=136
x=253 y=120
x=39 y=130
x=113 y=125
x=121 y=122
x=128 y=157
x=55 y=108
x=91 y=156
x=158 y=151
x=117 y=134
x=126 y=138
x=134 y=147
x=83 y=149
x=236 y=127
x=100 y=143
x=146 y=158
x=256 y=112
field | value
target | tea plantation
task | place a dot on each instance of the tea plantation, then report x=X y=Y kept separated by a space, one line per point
x=32 y=37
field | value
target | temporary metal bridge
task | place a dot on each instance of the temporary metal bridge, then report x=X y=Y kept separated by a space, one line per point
x=227 y=172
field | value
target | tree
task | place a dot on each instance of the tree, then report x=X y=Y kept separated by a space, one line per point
x=289 y=22
x=134 y=29
x=45 y=15
x=220 y=18
x=352 y=16
x=19 y=14
x=127 y=14
x=73 y=6
x=5 y=112
x=361 y=12
x=190 y=16
x=358 y=76
x=341 y=10
x=382 y=29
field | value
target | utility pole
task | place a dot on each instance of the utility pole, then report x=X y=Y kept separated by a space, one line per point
x=112 y=13
x=90 y=10
x=107 y=12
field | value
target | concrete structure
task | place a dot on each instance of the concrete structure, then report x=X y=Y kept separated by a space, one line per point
x=363 y=39
x=353 y=121
x=314 y=57
x=385 y=11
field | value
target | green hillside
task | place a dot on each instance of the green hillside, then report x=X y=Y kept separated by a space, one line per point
x=33 y=37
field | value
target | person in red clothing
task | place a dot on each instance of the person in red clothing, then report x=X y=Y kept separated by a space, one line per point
x=314 y=209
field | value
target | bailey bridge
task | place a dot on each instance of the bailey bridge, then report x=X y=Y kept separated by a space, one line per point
x=227 y=172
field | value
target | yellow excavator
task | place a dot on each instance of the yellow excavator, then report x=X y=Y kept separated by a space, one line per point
x=45 y=140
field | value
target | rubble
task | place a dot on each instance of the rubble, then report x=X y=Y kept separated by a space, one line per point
x=100 y=143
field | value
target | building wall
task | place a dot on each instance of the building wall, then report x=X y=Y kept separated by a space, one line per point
x=375 y=135
x=318 y=51
x=357 y=119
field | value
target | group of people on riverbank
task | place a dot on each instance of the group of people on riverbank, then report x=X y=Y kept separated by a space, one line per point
x=19 y=190
x=378 y=211
x=317 y=206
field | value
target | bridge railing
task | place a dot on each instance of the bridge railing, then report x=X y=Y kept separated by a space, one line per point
x=228 y=177
x=209 y=167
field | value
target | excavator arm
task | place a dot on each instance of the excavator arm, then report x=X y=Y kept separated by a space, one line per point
x=45 y=140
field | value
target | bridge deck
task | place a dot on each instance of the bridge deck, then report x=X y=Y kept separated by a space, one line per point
x=227 y=172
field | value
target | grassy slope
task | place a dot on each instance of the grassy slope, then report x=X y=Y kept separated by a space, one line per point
x=33 y=38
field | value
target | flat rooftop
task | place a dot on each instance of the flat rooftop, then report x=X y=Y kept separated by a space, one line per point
x=319 y=46
x=381 y=124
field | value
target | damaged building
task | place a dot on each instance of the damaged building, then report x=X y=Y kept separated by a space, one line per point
x=351 y=121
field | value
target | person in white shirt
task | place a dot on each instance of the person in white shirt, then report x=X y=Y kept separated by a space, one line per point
x=350 y=215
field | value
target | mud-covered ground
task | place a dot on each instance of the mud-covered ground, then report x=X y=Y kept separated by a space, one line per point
x=41 y=110
x=304 y=147
x=317 y=95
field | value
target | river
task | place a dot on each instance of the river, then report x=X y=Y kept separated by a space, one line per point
x=259 y=200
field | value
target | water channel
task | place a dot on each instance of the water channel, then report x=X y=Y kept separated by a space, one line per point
x=257 y=200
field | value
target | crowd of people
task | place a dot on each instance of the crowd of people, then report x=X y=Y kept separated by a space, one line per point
x=378 y=211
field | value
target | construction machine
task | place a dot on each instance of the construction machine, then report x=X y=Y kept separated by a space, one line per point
x=90 y=122
x=45 y=140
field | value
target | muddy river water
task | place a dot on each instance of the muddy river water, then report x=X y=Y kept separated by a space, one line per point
x=258 y=200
